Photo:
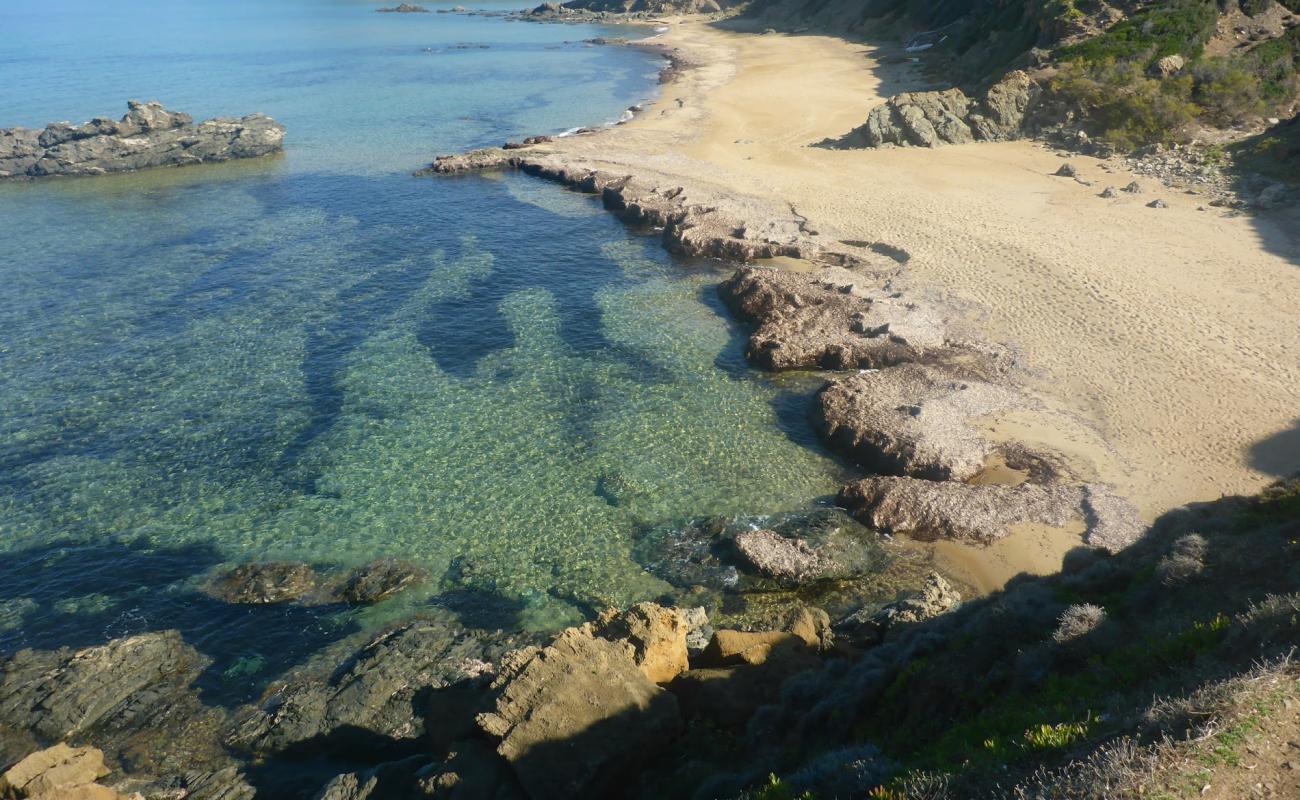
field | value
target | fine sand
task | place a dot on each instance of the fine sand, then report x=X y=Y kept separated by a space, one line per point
x=1171 y=335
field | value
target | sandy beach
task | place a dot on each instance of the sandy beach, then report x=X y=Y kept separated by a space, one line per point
x=1169 y=334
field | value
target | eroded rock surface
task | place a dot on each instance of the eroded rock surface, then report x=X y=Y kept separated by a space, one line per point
x=912 y=419
x=657 y=636
x=929 y=510
x=931 y=119
x=936 y=597
x=574 y=716
x=148 y=136
x=378 y=699
x=833 y=319
x=137 y=685
x=263 y=583
x=52 y=772
x=379 y=580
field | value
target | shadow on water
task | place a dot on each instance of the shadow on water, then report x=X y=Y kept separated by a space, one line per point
x=1279 y=454
x=80 y=594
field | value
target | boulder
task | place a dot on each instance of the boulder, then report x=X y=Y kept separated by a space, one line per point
x=657 y=636
x=574 y=717
x=148 y=136
x=379 y=698
x=263 y=583
x=379 y=580
x=787 y=560
x=1066 y=170
x=830 y=320
x=137 y=685
x=806 y=630
x=912 y=419
x=53 y=770
x=930 y=510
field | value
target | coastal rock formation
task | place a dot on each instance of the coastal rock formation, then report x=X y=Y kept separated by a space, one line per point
x=137 y=684
x=263 y=583
x=930 y=510
x=712 y=227
x=56 y=772
x=657 y=636
x=148 y=136
x=930 y=119
x=404 y=8
x=936 y=597
x=778 y=557
x=574 y=716
x=377 y=698
x=379 y=580
x=912 y=419
x=833 y=320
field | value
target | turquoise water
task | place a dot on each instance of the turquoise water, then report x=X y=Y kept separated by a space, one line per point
x=319 y=357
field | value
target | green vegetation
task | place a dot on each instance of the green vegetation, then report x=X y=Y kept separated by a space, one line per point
x=1119 y=84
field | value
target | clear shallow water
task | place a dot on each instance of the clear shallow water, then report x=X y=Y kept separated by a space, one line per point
x=321 y=358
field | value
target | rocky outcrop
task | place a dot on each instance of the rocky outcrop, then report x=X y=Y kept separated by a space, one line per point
x=138 y=684
x=936 y=597
x=376 y=700
x=930 y=510
x=834 y=319
x=657 y=636
x=691 y=224
x=913 y=419
x=930 y=119
x=148 y=136
x=404 y=8
x=575 y=716
x=379 y=580
x=56 y=772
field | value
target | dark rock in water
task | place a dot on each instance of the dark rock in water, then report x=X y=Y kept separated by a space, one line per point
x=260 y=584
x=131 y=693
x=148 y=136
x=404 y=8
x=576 y=717
x=379 y=580
x=378 y=700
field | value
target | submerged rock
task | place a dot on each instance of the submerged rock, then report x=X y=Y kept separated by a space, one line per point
x=576 y=716
x=378 y=699
x=830 y=320
x=930 y=510
x=912 y=419
x=148 y=136
x=380 y=579
x=264 y=583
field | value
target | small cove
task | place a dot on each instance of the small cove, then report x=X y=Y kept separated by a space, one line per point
x=318 y=357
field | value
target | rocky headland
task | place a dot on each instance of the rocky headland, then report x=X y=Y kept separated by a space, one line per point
x=147 y=136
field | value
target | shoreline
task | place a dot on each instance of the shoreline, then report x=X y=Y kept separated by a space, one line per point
x=680 y=166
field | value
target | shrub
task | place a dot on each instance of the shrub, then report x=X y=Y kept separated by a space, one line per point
x=1077 y=621
x=1127 y=108
x=1227 y=92
x=1185 y=561
x=1178 y=27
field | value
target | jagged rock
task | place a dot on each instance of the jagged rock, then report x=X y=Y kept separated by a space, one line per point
x=380 y=579
x=913 y=419
x=929 y=510
x=574 y=717
x=935 y=597
x=148 y=136
x=1066 y=170
x=264 y=583
x=930 y=119
x=112 y=692
x=1109 y=193
x=53 y=770
x=404 y=8
x=378 y=697
x=831 y=320
x=657 y=636
x=1133 y=188
x=1157 y=203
